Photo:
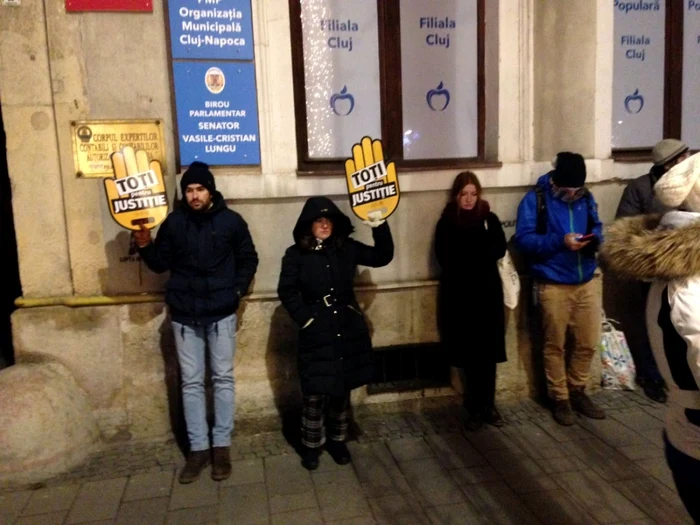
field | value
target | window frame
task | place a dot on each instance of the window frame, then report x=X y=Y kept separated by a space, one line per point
x=673 y=84
x=389 y=42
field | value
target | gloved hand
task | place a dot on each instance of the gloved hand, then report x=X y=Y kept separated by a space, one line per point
x=375 y=219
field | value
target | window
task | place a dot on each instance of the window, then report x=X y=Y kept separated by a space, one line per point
x=407 y=71
x=657 y=62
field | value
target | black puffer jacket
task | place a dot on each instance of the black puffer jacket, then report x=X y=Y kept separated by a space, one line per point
x=211 y=258
x=335 y=350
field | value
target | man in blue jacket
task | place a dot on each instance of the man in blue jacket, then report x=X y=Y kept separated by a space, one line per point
x=212 y=260
x=559 y=230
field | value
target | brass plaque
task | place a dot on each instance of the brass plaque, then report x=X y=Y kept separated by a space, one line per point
x=95 y=140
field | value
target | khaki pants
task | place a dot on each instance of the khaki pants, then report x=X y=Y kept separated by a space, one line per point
x=578 y=307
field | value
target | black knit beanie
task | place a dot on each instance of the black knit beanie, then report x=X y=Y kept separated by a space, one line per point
x=198 y=173
x=569 y=170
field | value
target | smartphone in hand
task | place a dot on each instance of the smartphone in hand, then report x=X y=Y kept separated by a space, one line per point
x=584 y=238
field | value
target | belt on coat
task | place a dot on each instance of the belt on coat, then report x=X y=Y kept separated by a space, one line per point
x=328 y=300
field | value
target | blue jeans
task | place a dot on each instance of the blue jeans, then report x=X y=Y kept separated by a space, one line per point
x=191 y=343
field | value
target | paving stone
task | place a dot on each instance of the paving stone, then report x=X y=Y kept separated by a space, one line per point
x=655 y=499
x=598 y=497
x=603 y=459
x=556 y=507
x=346 y=476
x=97 y=500
x=298 y=517
x=654 y=436
x=376 y=470
x=244 y=504
x=534 y=441
x=566 y=464
x=364 y=520
x=472 y=475
x=495 y=502
x=51 y=499
x=12 y=503
x=284 y=475
x=658 y=468
x=490 y=438
x=244 y=472
x=431 y=482
x=143 y=512
x=646 y=451
x=193 y=516
x=201 y=493
x=639 y=420
x=398 y=509
x=342 y=501
x=453 y=451
x=612 y=432
x=52 y=518
x=147 y=486
x=408 y=449
x=521 y=473
x=288 y=502
x=455 y=514
x=560 y=433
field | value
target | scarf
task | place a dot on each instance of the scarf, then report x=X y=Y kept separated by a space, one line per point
x=467 y=218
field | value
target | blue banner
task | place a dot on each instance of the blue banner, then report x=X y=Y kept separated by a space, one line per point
x=217 y=113
x=211 y=29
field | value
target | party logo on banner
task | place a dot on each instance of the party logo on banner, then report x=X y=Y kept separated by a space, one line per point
x=136 y=195
x=373 y=186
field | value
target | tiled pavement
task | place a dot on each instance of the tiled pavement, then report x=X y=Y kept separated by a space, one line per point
x=412 y=464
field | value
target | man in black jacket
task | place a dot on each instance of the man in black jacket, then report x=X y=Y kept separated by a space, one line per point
x=212 y=260
x=639 y=199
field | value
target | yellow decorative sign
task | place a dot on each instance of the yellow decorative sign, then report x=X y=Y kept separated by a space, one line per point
x=136 y=195
x=373 y=186
x=95 y=140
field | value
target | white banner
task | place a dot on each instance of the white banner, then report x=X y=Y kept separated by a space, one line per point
x=440 y=78
x=638 y=75
x=690 y=123
x=341 y=73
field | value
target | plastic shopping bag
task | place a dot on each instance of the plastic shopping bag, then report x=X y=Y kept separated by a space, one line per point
x=618 y=370
x=510 y=280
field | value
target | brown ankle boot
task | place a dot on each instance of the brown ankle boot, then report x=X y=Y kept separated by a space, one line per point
x=196 y=461
x=221 y=468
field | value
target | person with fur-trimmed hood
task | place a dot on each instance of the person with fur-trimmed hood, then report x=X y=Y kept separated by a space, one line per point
x=665 y=249
x=335 y=349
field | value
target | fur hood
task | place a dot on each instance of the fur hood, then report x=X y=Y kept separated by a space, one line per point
x=638 y=249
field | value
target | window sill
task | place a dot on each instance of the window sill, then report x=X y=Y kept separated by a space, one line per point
x=408 y=167
x=632 y=155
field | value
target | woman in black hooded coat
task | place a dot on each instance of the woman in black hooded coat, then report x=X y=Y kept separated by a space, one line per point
x=335 y=349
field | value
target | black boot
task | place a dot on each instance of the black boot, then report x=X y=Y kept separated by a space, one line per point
x=493 y=417
x=309 y=457
x=338 y=451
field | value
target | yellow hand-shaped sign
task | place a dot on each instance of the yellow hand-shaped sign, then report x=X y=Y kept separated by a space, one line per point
x=136 y=194
x=373 y=185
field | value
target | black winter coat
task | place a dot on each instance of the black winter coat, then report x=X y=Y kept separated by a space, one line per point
x=211 y=258
x=471 y=312
x=639 y=199
x=335 y=350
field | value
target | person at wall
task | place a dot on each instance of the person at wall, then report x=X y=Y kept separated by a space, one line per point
x=559 y=231
x=469 y=240
x=212 y=260
x=666 y=249
x=639 y=199
x=335 y=349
